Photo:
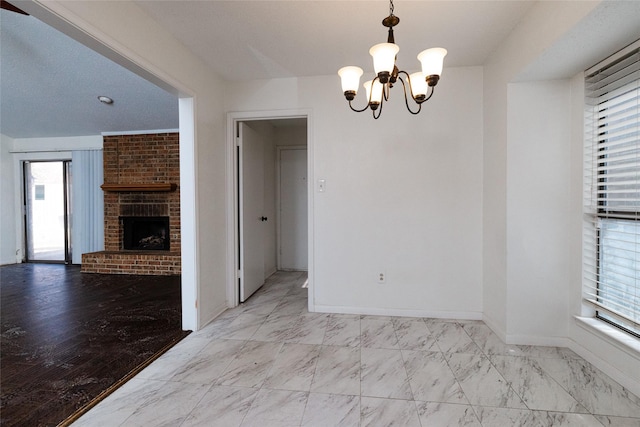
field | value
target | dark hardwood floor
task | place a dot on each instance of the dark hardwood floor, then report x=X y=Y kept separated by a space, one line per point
x=67 y=337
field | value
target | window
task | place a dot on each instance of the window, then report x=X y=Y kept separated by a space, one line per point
x=612 y=187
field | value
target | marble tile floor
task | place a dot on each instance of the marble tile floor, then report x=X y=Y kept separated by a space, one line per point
x=271 y=363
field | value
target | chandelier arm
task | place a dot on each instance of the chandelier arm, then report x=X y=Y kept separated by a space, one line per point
x=433 y=88
x=369 y=102
x=406 y=100
x=379 y=108
x=386 y=91
x=409 y=81
x=379 y=112
x=358 y=111
x=370 y=97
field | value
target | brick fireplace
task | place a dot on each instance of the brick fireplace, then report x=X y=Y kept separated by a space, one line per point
x=141 y=177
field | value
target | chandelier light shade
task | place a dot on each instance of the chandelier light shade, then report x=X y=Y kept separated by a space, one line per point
x=432 y=61
x=384 y=57
x=350 y=77
x=420 y=85
x=374 y=93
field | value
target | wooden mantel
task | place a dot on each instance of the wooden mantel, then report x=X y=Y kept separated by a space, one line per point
x=139 y=187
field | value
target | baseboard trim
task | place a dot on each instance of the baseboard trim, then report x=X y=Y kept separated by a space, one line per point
x=373 y=311
x=537 y=340
x=217 y=312
x=519 y=339
x=501 y=333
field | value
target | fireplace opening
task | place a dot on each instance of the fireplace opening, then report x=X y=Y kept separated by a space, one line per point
x=146 y=233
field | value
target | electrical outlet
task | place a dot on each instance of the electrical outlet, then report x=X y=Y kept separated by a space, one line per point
x=382 y=277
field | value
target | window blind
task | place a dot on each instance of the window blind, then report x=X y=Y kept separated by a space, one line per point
x=612 y=189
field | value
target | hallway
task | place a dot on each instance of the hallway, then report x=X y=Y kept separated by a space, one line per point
x=271 y=363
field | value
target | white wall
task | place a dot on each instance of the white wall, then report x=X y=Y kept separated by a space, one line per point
x=540 y=29
x=7 y=207
x=69 y=143
x=533 y=136
x=293 y=135
x=538 y=211
x=494 y=204
x=403 y=195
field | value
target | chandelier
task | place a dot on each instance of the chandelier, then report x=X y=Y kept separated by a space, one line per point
x=420 y=84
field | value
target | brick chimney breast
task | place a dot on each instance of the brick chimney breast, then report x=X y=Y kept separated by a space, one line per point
x=139 y=159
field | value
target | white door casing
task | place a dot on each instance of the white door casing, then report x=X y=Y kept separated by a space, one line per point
x=233 y=194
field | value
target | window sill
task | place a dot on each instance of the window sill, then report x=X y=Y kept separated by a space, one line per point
x=611 y=335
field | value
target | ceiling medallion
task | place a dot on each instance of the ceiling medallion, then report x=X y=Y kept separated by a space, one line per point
x=421 y=84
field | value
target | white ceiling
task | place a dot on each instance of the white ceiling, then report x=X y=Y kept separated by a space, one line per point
x=244 y=40
x=49 y=86
x=49 y=83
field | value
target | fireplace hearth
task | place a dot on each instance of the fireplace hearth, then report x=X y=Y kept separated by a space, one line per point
x=144 y=233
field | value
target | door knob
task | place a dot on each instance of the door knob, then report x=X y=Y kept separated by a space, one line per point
x=263 y=218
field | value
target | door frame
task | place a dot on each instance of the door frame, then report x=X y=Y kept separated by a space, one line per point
x=19 y=159
x=279 y=150
x=233 y=191
x=66 y=206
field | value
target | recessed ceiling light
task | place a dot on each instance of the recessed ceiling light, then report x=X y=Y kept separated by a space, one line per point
x=105 y=99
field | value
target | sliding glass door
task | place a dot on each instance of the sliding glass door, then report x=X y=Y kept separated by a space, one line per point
x=47 y=201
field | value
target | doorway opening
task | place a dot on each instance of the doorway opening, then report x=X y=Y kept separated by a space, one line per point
x=272 y=199
x=47 y=211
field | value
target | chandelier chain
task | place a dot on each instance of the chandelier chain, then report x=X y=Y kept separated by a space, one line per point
x=391 y=7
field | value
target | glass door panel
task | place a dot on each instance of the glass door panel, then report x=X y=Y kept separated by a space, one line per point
x=46 y=213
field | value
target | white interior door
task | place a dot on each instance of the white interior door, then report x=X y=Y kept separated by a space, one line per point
x=251 y=209
x=293 y=209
